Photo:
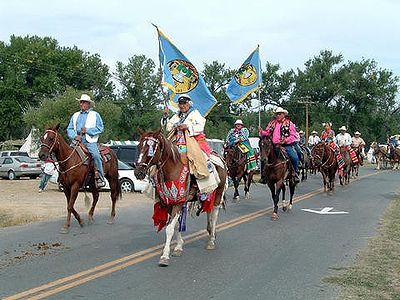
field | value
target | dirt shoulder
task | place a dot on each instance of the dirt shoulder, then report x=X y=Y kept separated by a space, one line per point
x=20 y=202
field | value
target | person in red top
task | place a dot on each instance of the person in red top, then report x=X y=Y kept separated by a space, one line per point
x=283 y=132
x=328 y=135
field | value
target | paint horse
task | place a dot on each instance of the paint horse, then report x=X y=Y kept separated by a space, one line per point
x=236 y=162
x=174 y=187
x=277 y=169
x=76 y=172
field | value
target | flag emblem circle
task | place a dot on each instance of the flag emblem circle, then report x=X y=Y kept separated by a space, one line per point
x=184 y=74
x=246 y=75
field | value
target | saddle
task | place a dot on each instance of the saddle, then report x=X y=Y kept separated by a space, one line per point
x=105 y=153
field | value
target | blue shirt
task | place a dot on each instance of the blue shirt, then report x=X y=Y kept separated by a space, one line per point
x=81 y=121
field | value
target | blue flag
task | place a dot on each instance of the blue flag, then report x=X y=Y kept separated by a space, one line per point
x=247 y=79
x=181 y=77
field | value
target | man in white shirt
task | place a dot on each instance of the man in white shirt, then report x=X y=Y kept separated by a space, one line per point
x=313 y=139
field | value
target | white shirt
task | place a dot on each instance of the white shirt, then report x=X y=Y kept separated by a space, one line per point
x=343 y=139
x=49 y=168
x=194 y=121
x=313 y=140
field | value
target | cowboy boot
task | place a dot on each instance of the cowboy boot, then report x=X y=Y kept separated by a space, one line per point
x=99 y=180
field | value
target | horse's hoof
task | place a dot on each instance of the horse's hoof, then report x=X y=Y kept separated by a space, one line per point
x=177 y=253
x=247 y=196
x=163 y=262
x=64 y=230
x=274 y=217
x=90 y=221
x=290 y=206
x=284 y=208
x=81 y=223
x=110 y=221
x=210 y=246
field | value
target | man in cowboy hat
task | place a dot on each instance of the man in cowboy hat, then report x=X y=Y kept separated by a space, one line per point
x=302 y=136
x=283 y=132
x=240 y=135
x=313 y=139
x=344 y=139
x=85 y=126
x=357 y=142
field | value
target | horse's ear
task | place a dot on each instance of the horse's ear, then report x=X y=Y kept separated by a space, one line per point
x=57 y=127
x=141 y=131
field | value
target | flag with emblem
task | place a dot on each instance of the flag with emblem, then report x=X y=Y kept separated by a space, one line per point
x=181 y=77
x=247 y=79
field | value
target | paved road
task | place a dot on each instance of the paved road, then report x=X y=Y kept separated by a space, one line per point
x=257 y=259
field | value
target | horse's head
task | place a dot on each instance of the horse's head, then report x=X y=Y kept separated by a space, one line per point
x=49 y=142
x=228 y=155
x=150 y=151
x=266 y=146
x=318 y=151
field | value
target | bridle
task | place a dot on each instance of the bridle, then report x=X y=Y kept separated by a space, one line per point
x=153 y=145
x=57 y=141
x=322 y=157
x=276 y=163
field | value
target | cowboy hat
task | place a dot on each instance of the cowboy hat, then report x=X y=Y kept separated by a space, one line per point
x=327 y=123
x=357 y=133
x=280 y=110
x=239 y=122
x=314 y=132
x=343 y=128
x=86 y=97
x=301 y=132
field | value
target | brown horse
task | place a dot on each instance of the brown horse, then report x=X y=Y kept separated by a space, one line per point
x=356 y=166
x=276 y=169
x=156 y=150
x=76 y=173
x=344 y=176
x=394 y=157
x=236 y=162
x=306 y=165
x=381 y=155
x=325 y=161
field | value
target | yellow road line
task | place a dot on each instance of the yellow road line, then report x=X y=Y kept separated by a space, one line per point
x=137 y=257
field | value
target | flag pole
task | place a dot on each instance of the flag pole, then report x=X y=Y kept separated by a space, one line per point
x=259 y=106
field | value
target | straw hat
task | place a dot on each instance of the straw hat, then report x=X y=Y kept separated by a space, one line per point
x=239 y=122
x=280 y=110
x=86 y=97
x=343 y=128
x=314 y=132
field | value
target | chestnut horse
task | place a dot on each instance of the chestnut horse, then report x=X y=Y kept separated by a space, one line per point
x=276 y=169
x=236 y=162
x=156 y=150
x=356 y=166
x=74 y=173
x=325 y=161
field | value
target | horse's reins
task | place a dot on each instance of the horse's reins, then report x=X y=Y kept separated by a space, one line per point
x=62 y=161
x=156 y=144
x=322 y=156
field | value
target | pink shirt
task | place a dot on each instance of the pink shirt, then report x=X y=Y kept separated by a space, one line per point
x=276 y=135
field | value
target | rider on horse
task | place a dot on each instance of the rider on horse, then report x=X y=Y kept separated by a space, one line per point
x=313 y=139
x=358 y=142
x=343 y=139
x=240 y=135
x=186 y=128
x=283 y=133
x=328 y=136
x=85 y=126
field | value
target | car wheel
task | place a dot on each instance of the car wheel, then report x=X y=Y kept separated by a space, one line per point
x=126 y=185
x=11 y=175
x=33 y=177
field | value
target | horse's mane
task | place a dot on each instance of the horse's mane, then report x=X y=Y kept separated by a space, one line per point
x=170 y=149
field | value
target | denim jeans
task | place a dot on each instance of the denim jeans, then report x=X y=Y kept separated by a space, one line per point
x=293 y=157
x=44 y=181
x=94 y=151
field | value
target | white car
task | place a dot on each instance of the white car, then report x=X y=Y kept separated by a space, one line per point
x=127 y=180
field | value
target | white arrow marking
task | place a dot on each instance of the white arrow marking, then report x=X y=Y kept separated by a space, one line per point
x=325 y=211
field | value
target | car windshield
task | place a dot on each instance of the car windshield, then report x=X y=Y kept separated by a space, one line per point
x=123 y=166
x=25 y=159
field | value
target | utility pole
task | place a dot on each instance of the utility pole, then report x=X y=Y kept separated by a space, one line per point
x=306 y=102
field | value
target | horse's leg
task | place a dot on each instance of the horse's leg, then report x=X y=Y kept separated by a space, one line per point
x=169 y=230
x=115 y=193
x=179 y=242
x=324 y=179
x=236 y=185
x=292 y=187
x=212 y=218
x=71 y=193
x=248 y=181
x=284 y=201
x=95 y=194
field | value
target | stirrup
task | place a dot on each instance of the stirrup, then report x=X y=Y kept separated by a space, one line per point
x=100 y=182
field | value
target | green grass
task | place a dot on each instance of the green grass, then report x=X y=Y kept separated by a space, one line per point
x=7 y=219
x=376 y=273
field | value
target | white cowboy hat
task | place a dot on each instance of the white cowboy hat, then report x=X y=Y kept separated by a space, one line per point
x=85 y=97
x=239 y=122
x=314 y=132
x=327 y=123
x=343 y=128
x=301 y=132
x=280 y=110
x=357 y=132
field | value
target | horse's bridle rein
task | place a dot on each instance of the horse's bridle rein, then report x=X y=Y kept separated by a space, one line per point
x=150 y=141
x=322 y=156
x=56 y=140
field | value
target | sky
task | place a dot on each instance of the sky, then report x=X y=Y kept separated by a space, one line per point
x=289 y=32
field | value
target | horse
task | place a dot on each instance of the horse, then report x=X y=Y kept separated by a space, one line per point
x=236 y=162
x=76 y=173
x=344 y=175
x=156 y=150
x=306 y=165
x=394 y=156
x=356 y=166
x=325 y=160
x=276 y=169
x=381 y=155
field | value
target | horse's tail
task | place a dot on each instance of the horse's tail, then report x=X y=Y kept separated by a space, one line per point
x=119 y=191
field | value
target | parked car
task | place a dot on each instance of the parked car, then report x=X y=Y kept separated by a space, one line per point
x=127 y=180
x=13 y=153
x=126 y=153
x=19 y=166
